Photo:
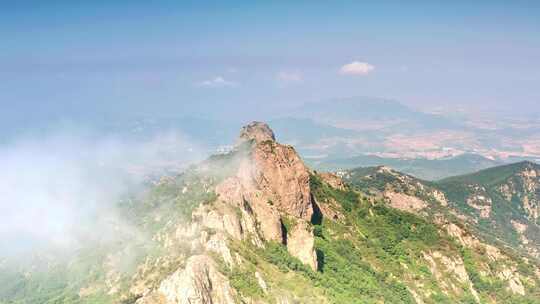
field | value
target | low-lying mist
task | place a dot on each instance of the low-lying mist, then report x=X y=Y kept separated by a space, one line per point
x=59 y=191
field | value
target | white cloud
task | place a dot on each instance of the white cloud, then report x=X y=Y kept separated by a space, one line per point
x=356 y=68
x=61 y=190
x=289 y=77
x=217 y=82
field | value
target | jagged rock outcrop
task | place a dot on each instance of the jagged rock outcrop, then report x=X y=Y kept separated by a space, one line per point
x=257 y=131
x=480 y=200
x=220 y=217
x=333 y=180
x=330 y=209
x=405 y=202
x=272 y=180
x=443 y=266
x=283 y=178
x=257 y=216
x=525 y=186
x=198 y=283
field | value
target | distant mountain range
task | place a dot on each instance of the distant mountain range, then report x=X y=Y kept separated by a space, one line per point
x=332 y=131
x=427 y=169
x=369 y=112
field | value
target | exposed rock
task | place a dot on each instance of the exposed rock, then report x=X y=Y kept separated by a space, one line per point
x=405 y=202
x=506 y=191
x=268 y=219
x=385 y=169
x=493 y=252
x=330 y=209
x=416 y=297
x=154 y=298
x=271 y=178
x=514 y=282
x=525 y=186
x=218 y=243
x=520 y=229
x=470 y=241
x=333 y=180
x=198 y=283
x=231 y=191
x=465 y=238
x=480 y=200
x=281 y=175
x=301 y=244
x=261 y=282
x=442 y=266
x=265 y=218
x=221 y=217
x=532 y=207
x=257 y=131
x=440 y=197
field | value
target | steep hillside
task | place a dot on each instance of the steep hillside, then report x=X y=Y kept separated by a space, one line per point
x=503 y=201
x=499 y=203
x=257 y=226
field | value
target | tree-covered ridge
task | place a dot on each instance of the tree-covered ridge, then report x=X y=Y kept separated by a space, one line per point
x=505 y=201
x=501 y=203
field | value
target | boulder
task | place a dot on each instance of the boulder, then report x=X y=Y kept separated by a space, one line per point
x=301 y=244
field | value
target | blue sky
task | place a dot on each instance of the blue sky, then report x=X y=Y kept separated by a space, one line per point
x=182 y=57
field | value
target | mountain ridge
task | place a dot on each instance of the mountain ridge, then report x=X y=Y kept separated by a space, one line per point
x=256 y=225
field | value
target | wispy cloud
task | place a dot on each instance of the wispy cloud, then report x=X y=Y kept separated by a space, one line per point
x=289 y=77
x=356 y=68
x=217 y=82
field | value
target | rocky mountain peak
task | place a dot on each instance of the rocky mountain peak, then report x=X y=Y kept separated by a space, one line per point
x=257 y=131
x=275 y=183
x=278 y=171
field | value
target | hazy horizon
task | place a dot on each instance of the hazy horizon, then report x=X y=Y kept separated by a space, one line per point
x=123 y=58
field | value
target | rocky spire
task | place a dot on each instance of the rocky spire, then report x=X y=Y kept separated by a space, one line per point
x=274 y=182
x=257 y=131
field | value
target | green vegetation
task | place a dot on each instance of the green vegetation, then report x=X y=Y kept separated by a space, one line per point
x=490 y=287
x=288 y=223
x=343 y=275
x=488 y=185
x=322 y=192
x=491 y=176
x=499 y=225
x=244 y=281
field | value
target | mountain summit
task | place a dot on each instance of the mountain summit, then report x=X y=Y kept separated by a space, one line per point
x=257 y=131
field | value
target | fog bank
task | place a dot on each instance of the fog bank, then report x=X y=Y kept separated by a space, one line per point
x=60 y=190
